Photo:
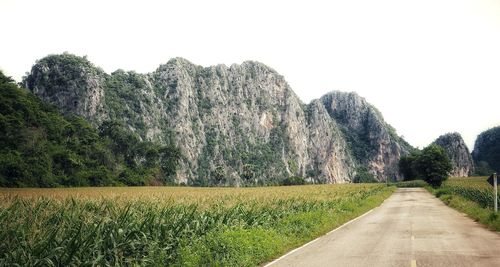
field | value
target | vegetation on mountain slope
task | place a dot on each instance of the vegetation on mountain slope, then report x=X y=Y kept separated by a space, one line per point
x=39 y=147
x=238 y=125
x=486 y=152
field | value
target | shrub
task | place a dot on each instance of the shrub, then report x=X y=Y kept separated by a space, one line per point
x=295 y=180
x=363 y=176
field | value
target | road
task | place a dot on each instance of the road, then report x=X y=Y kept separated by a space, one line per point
x=411 y=228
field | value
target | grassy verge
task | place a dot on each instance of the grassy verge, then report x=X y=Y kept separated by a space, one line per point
x=226 y=227
x=470 y=196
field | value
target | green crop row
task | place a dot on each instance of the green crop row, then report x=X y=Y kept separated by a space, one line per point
x=475 y=189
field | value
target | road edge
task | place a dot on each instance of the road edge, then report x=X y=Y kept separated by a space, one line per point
x=332 y=231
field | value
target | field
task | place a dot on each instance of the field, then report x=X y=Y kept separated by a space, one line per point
x=473 y=196
x=475 y=189
x=172 y=225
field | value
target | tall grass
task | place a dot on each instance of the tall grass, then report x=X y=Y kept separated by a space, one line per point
x=220 y=228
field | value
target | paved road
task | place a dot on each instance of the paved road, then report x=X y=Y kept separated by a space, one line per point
x=411 y=228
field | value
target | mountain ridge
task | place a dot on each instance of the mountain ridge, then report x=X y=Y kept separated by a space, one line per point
x=235 y=125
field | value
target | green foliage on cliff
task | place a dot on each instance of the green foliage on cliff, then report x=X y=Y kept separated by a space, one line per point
x=123 y=99
x=486 y=152
x=215 y=115
x=483 y=169
x=65 y=68
x=41 y=148
x=364 y=176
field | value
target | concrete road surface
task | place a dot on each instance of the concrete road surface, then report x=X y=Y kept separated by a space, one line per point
x=411 y=228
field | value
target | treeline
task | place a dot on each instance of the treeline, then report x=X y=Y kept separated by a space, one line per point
x=39 y=147
x=431 y=165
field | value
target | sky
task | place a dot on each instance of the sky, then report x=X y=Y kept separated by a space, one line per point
x=430 y=66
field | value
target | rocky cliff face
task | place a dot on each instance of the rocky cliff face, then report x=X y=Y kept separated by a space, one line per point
x=235 y=125
x=73 y=84
x=372 y=142
x=486 y=151
x=458 y=153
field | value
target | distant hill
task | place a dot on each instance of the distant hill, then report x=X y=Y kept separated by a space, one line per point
x=486 y=151
x=457 y=151
x=236 y=125
x=39 y=147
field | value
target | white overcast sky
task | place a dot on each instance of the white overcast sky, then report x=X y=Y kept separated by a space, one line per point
x=430 y=66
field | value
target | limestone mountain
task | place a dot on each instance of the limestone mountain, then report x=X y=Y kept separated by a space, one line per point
x=372 y=142
x=486 y=151
x=457 y=151
x=235 y=125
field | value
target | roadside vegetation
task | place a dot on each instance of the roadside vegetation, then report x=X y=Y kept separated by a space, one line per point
x=472 y=196
x=164 y=226
x=412 y=183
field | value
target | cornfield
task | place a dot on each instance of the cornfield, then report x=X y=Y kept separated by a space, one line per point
x=171 y=226
x=475 y=189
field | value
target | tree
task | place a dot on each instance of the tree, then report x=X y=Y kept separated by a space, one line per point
x=248 y=172
x=219 y=174
x=433 y=165
x=294 y=180
x=407 y=166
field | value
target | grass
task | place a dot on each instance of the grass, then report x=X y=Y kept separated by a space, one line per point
x=172 y=226
x=472 y=196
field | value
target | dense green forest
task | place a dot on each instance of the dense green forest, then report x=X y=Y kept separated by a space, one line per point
x=39 y=147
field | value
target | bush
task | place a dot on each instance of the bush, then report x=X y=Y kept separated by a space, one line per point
x=363 y=176
x=295 y=180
